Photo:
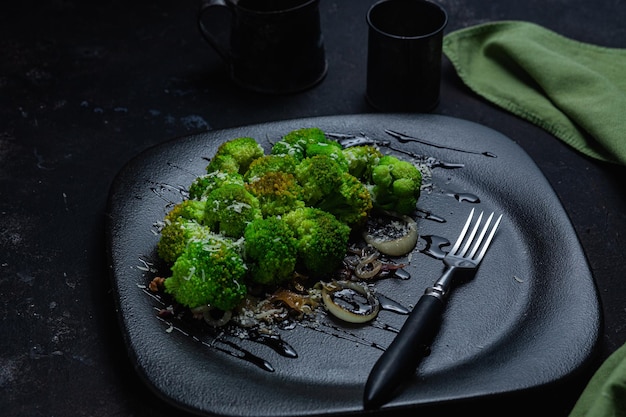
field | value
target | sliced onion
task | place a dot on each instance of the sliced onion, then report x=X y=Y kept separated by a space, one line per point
x=394 y=245
x=368 y=267
x=350 y=301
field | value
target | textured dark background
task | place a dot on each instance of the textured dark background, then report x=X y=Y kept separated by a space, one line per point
x=85 y=86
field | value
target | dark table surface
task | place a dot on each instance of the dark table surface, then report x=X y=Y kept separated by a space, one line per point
x=86 y=86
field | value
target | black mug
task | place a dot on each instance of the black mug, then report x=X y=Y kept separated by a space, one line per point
x=404 y=55
x=273 y=46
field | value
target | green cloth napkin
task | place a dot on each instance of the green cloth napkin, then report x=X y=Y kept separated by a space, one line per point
x=605 y=394
x=574 y=90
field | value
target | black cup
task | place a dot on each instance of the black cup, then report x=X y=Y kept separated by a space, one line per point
x=404 y=55
x=273 y=46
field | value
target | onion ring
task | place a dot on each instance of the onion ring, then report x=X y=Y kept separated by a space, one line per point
x=350 y=301
x=391 y=245
x=368 y=267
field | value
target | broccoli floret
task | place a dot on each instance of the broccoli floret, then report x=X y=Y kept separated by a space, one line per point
x=204 y=184
x=209 y=272
x=361 y=160
x=229 y=209
x=277 y=192
x=326 y=185
x=270 y=250
x=235 y=155
x=175 y=236
x=308 y=142
x=329 y=148
x=187 y=209
x=295 y=142
x=223 y=163
x=270 y=163
x=396 y=185
x=322 y=239
x=319 y=176
x=182 y=224
x=351 y=202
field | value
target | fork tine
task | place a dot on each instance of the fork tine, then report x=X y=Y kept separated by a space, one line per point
x=488 y=241
x=470 y=239
x=458 y=242
x=480 y=237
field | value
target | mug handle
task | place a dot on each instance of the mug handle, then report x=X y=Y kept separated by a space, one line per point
x=213 y=39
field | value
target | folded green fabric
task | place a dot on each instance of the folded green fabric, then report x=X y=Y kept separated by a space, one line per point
x=574 y=90
x=605 y=394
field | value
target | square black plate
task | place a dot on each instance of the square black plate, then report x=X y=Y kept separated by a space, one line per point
x=529 y=318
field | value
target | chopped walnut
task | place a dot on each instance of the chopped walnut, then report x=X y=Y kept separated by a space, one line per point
x=156 y=284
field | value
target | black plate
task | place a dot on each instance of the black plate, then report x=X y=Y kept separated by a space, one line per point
x=529 y=318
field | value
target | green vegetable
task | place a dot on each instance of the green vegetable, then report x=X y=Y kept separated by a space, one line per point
x=308 y=142
x=326 y=185
x=204 y=184
x=295 y=143
x=181 y=225
x=176 y=235
x=361 y=160
x=396 y=185
x=277 y=193
x=319 y=176
x=270 y=163
x=257 y=219
x=209 y=272
x=330 y=149
x=351 y=202
x=187 y=209
x=235 y=155
x=322 y=239
x=229 y=209
x=270 y=250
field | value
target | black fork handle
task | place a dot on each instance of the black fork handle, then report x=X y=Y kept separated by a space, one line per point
x=406 y=351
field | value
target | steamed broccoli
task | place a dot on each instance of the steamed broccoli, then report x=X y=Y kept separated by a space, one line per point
x=204 y=184
x=229 y=209
x=187 y=209
x=257 y=218
x=322 y=239
x=396 y=185
x=327 y=186
x=295 y=142
x=176 y=235
x=308 y=142
x=351 y=202
x=361 y=159
x=235 y=155
x=181 y=225
x=270 y=250
x=329 y=148
x=319 y=176
x=270 y=163
x=277 y=192
x=208 y=272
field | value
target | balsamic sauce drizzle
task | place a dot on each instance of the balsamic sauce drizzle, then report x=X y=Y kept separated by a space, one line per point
x=402 y=138
x=428 y=215
x=388 y=304
x=466 y=197
x=433 y=245
x=235 y=350
x=219 y=340
x=327 y=327
x=348 y=141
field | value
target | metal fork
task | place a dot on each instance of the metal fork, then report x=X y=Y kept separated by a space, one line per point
x=403 y=355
